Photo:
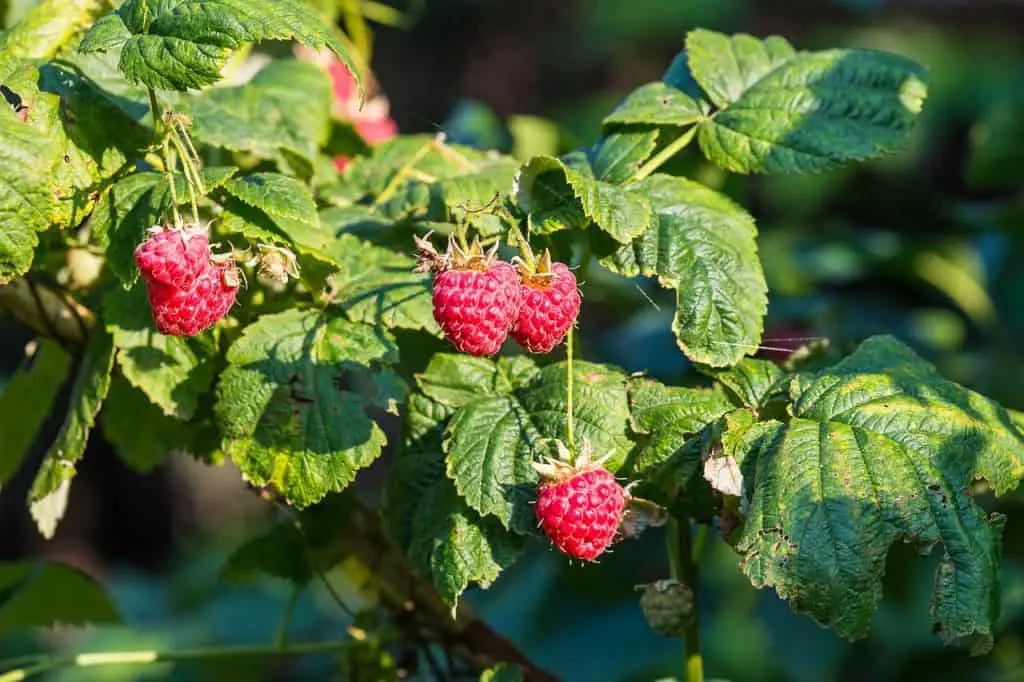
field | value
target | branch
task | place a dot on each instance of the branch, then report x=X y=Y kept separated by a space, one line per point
x=47 y=311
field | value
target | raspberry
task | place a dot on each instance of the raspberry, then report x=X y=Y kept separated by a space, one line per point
x=476 y=297
x=667 y=606
x=173 y=256
x=186 y=311
x=551 y=303
x=579 y=507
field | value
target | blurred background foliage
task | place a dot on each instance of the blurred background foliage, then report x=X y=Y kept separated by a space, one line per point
x=927 y=244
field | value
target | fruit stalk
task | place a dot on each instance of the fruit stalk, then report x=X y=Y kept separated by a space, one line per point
x=683 y=566
x=569 y=420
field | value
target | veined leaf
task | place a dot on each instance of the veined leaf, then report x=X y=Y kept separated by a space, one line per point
x=290 y=403
x=786 y=111
x=702 y=245
x=48 y=496
x=490 y=438
x=615 y=158
x=754 y=382
x=880 y=449
x=172 y=371
x=656 y=104
x=445 y=540
x=558 y=195
x=48 y=26
x=377 y=286
x=455 y=379
x=178 y=44
x=26 y=400
x=48 y=594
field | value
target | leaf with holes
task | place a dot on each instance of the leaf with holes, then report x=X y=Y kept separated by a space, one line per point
x=292 y=402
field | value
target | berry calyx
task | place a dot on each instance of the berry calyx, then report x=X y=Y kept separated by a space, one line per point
x=579 y=506
x=551 y=303
x=476 y=297
x=173 y=256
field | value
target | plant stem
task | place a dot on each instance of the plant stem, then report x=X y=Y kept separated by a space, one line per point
x=286 y=618
x=683 y=555
x=569 y=412
x=655 y=162
x=169 y=166
x=101 y=658
x=192 y=179
x=400 y=174
x=154 y=108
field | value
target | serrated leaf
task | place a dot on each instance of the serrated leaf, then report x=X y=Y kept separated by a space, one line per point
x=866 y=462
x=455 y=379
x=377 y=286
x=173 y=372
x=291 y=415
x=703 y=245
x=58 y=468
x=46 y=594
x=133 y=205
x=668 y=416
x=445 y=540
x=285 y=108
x=656 y=104
x=786 y=111
x=26 y=401
x=559 y=196
x=753 y=381
x=178 y=45
x=490 y=439
x=617 y=157
x=47 y=27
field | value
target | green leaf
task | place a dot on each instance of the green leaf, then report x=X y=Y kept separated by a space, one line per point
x=48 y=496
x=173 y=372
x=290 y=406
x=656 y=104
x=142 y=434
x=667 y=416
x=785 y=111
x=754 y=382
x=502 y=673
x=880 y=449
x=377 y=286
x=281 y=553
x=703 y=245
x=445 y=540
x=26 y=401
x=618 y=156
x=47 y=27
x=43 y=595
x=490 y=439
x=559 y=196
x=178 y=45
x=455 y=379
x=286 y=108
x=133 y=205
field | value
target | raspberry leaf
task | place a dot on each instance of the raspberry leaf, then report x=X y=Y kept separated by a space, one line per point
x=49 y=493
x=703 y=245
x=656 y=104
x=290 y=403
x=455 y=379
x=179 y=45
x=377 y=286
x=753 y=381
x=616 y=157
x=173 y=372
x=45 y=594
x=490 y=439
x=26 y=401
x=668 y=416
x=864 y=463
x=782 y=111
x=445 y=540
x=560 y=195
x=283 y=114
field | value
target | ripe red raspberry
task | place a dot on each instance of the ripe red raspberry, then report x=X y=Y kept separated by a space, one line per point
x=551 y=303
x=190 y=310
x=173 y=256
x=579 y=507
x=476 y=297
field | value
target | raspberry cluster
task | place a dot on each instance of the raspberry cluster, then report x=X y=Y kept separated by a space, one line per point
x=189 y=288
x=479 y=300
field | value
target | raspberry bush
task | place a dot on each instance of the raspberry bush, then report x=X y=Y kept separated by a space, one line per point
x=219 y=256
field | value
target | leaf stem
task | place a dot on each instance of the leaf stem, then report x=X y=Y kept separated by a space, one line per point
x=683 y=556
x=169 y=166
x=656 y=161
x=569 y=412
x=147 y=657
x=192 y=180
x=154 y=108
x=286 y=618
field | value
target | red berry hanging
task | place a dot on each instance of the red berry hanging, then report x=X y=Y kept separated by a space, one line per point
x=187 y=311
x=580 y=506
x=551 y=303
x=173 y=256
x=476 y=296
